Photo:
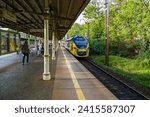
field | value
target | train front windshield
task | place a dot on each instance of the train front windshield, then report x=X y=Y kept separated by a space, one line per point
x=81 y=42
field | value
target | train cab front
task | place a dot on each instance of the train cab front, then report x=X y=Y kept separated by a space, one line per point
x=81 y=52
x=80 y=46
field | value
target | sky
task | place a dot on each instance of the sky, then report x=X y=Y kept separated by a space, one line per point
x=80 y=19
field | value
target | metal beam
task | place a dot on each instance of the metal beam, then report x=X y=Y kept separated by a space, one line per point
x=39 y=5
x=24 y=9
x=69 y=8
x=80 y=10
x=58 y=6
x=9 y=4
x=43 y=14
x=33 y=9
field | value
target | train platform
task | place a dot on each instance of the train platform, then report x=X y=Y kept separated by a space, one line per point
x=70 y=80
x=9 y=59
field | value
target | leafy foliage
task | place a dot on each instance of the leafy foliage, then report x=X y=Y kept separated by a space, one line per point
x=75 y=30
x=129 y=22
x=97 y=47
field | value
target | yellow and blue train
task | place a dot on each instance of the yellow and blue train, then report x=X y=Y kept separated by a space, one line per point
x=78 y=46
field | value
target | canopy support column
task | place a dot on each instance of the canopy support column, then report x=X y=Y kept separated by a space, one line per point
x=56 y=43
x=53 y=42
x=28 y=36
x=46 y=74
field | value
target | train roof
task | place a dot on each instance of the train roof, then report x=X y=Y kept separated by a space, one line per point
x=77 y=36
x=74 y=37
x=68 y=39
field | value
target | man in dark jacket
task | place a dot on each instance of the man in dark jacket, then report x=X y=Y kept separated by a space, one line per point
x=25 y=51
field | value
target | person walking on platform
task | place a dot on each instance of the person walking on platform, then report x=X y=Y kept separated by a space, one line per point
x=25 y=51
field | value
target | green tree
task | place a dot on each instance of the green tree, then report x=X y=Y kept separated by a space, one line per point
x=75 y=30
x=129 y=21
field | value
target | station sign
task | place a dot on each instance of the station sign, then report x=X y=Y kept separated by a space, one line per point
x=9 y=15
x=36 y=30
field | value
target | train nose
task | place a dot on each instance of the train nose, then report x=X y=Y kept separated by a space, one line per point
x=83 y=53
x=81 y=50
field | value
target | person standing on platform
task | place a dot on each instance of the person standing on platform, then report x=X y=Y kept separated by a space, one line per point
x=42 y=49
x=37 y=48
x=25 y=51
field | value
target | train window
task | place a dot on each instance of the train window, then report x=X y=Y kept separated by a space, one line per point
x=80 y=42
x=79 y=39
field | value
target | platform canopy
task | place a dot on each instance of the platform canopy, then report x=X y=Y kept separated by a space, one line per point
x=28 y=15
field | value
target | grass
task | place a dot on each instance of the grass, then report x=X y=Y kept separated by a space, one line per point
x=137 y=70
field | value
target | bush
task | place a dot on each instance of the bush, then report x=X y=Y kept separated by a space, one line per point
x=144 y=55
x=144 y=59
x=96 y=47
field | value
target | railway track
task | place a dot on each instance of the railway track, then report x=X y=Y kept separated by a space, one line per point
x=117 y=87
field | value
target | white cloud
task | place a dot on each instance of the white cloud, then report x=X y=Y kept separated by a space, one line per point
x=80 y=19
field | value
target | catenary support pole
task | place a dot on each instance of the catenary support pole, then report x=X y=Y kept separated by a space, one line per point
x=46 y=74
x=107 y=34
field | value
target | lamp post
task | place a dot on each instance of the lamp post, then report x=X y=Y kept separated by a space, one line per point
x=107 y=33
